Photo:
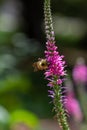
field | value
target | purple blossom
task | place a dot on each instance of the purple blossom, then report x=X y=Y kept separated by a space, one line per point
x=51 y=93
x=73 y=107
x=80 y=71
x=56 y=64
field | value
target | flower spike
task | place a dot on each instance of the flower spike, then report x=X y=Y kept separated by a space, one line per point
x=56 y=69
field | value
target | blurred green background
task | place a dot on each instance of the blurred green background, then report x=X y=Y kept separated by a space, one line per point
x=22 y=42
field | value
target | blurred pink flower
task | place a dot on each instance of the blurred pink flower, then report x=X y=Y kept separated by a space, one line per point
x=80 y=73
x=73 y=107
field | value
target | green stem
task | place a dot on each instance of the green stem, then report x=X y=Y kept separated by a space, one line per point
x=59 y=109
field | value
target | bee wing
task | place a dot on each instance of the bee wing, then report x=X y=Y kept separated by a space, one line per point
x=35 y=66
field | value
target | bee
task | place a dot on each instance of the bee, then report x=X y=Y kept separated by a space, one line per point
x=41 y=64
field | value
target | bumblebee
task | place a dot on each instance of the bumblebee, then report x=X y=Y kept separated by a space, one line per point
x=41 y=64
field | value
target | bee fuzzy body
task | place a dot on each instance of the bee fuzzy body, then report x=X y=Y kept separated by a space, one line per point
x=41 y=64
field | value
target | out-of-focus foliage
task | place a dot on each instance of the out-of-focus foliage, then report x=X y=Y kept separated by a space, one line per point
x=4 y=118
x=14 y=82
x=70 y=22
x=24 y=117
